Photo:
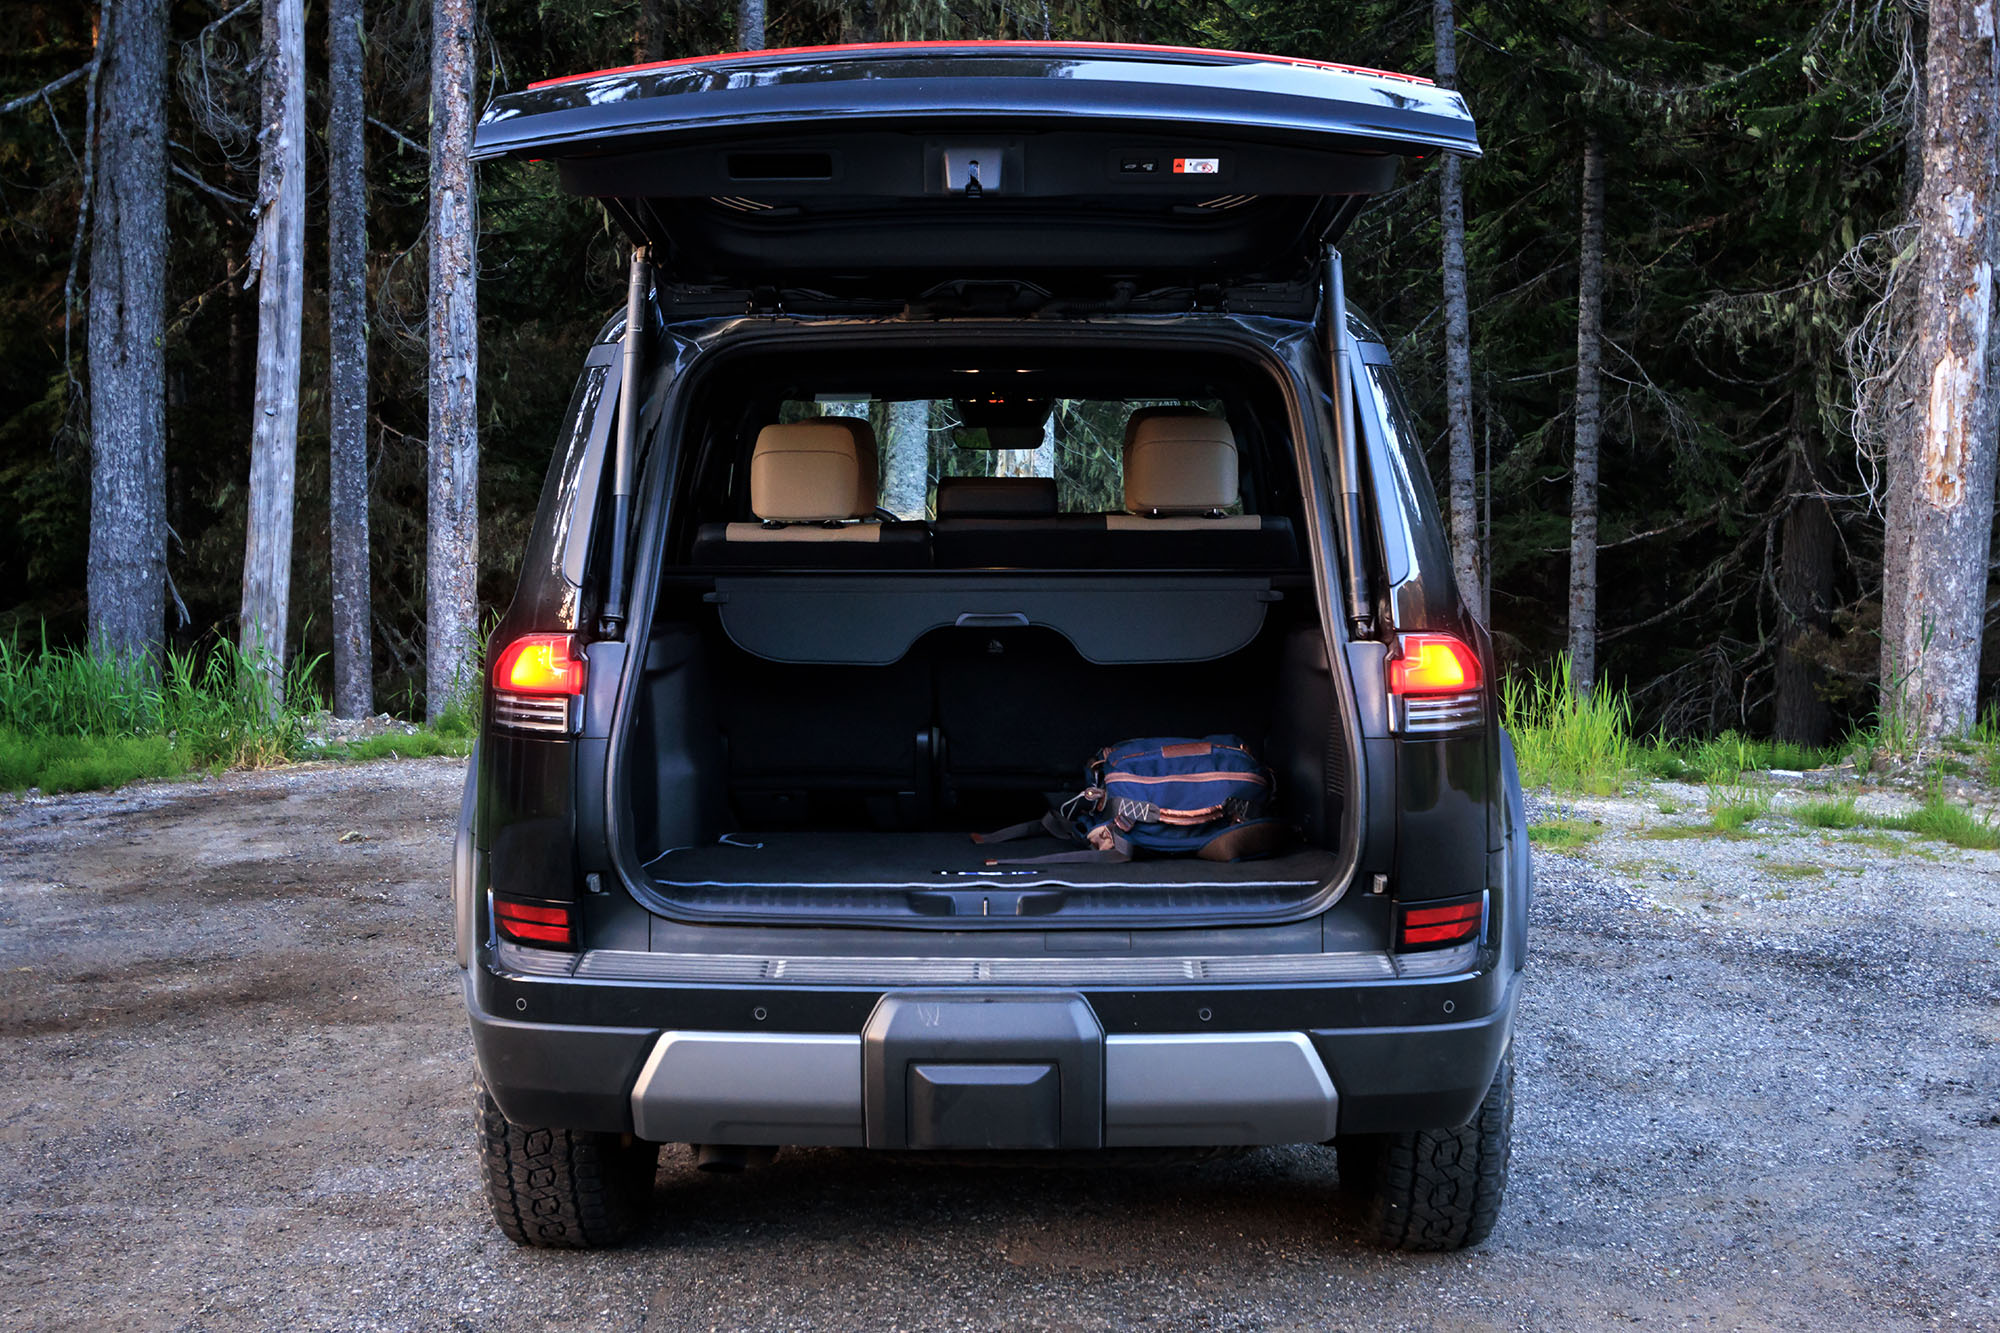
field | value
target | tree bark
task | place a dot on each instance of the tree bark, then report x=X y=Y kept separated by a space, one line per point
x=127 y=578
x=452 y=567
x=347 y=365
x=1807 y=550
x=1589 y=400
x=649 y=33
x=861 y=22
x=1457 y=341
x=1902 y=393
x=1940 y=508
x=1037 y=462
x=278 y=260
x=749 y=25
x=906 y=459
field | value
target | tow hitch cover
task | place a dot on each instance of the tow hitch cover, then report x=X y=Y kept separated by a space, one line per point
x=1007 y=1070
x=985 y=1106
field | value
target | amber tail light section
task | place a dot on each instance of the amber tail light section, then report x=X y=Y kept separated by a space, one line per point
x=1433 y=664
x=536 y=680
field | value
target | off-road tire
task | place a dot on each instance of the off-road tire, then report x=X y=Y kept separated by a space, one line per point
x=1434 y=1189
x=560 y=1188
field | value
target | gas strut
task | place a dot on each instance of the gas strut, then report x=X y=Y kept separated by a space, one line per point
x=625 y=457
x=1360 y=600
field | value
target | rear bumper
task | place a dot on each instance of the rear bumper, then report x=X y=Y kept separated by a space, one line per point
x=1174 y=1065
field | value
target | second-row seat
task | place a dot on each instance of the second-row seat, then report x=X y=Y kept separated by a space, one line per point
x=814 y=482
x=1181 y=476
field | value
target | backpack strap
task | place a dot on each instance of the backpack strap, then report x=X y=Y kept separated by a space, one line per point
x=1054 y=825
x=1252 y=837
x=1047 y=826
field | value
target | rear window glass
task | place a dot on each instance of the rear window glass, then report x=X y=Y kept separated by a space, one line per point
x=1080 y=444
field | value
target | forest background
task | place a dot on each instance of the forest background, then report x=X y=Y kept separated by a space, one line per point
x=1756 y=161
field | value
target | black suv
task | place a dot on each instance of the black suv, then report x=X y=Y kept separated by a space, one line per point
x=977 y=407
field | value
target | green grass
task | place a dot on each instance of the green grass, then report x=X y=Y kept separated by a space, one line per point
x=1585 y=743
x=1732 y=814
x=1563 y=835
x=1938 y=818
x=1722 y=758
x=1837 y=812
x=72 y=720
x=1888 y=842
x=418 y=745
x=1564 y=740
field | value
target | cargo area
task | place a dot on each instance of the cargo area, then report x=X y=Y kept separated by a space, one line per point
x=839 y=690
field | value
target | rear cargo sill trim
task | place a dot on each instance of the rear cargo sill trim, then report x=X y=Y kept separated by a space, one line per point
x=632 y=965
x=970 y=881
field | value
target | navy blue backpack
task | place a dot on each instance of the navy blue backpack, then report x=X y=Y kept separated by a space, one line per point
x=1164 y=796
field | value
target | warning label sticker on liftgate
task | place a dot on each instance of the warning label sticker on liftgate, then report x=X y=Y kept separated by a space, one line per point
x=1197 y=166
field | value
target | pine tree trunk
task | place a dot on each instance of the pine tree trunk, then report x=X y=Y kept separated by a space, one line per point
x=749 y=25
x=861 y=22
x=452 y=566
x=1808 y=547
x=649 y=33
x=1039 y=461
x=279 y=263
x=906 y=458
x=1897 y=491
x=1457 y=341
x=127 y=578
x=1589 y=421
x=347 y=365
x=1940 y=508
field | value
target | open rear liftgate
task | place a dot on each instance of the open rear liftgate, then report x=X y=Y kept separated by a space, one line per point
x=801 y=170
x=970 y=1069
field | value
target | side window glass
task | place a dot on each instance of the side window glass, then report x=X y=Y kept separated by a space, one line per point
x=1429 y=542
x=575 y=455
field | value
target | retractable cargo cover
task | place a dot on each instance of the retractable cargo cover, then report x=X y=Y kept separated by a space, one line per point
x=1064 y=164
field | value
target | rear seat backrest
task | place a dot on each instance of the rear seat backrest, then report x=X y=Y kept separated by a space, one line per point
x=996 y=497
x=1179 y=464
x=814 y=482
x=1001 y=522
x=812 y=472
x=1181 y=473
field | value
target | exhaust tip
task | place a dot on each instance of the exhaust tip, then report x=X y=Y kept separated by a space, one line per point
x=731 y=1158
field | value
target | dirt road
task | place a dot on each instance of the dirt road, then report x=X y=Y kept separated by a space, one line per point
x=234 y=1095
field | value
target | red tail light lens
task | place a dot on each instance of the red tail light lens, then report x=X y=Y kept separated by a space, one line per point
x=539 y=664
x=544 y=924
x=1433 y=664
x=1441 y=926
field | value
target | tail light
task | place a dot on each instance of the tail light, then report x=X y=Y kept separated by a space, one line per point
x=1439 y=925
x=1434 y=684
x=534 y=680
x=546 y=925
x=1429 y=664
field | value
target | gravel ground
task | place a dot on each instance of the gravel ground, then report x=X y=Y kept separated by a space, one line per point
x=1759 y=1087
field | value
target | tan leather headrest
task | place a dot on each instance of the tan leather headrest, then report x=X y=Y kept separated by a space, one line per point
x=1178 y=462
x=813 y=471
